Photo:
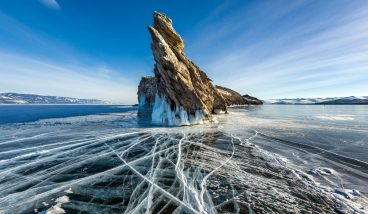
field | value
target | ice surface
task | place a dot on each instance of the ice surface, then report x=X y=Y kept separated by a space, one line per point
x=347 y=193
x=322 y=171
x=335 y=117
x=112 y=164
x=273 y=160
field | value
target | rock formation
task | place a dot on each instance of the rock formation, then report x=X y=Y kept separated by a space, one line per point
x=249 y=100
x=231 y=97
x=179 y=93
x=147 y=91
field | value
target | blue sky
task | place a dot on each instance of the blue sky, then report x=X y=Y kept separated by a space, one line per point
x=269 y=49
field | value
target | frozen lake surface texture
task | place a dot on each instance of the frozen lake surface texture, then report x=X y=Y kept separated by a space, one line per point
x=261 y=159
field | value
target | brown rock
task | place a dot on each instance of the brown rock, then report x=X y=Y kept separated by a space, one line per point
x=180 y=93
x=252 y=100
x=231 y=97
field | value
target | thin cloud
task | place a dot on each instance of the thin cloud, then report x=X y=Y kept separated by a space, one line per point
x=27 y=75
x=78 y=75
x=53 y=4
x=324 y=52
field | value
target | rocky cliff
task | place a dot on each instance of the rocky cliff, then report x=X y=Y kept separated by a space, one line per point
x=180 y=93
x=231 y=97
x=249 y=100
x=147 y=91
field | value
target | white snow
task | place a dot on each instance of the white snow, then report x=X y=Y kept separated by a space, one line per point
x=56 y=209
x=312 y=100
x=19 y=101
x=68 y=190
x=354 y=97
x=224 y=92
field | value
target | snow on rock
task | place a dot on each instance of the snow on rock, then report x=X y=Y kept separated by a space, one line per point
x=328 y=100
x=224 y=92
x=15 y=98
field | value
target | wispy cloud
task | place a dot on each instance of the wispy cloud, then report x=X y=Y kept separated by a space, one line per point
x=290 y=52
x=270 y=49
x=50 y=67
x=53 y=4
x=28 y=75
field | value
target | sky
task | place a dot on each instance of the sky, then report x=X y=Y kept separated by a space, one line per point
x=268 y=49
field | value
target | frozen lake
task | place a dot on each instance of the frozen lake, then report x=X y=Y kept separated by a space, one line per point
x=103 y=159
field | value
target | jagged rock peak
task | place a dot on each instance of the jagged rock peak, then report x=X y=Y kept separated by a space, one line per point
x=163 y=25
x=184 y=94
x=182 y=87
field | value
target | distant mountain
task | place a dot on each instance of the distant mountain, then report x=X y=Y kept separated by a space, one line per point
x=15 y=98
x=352 y=100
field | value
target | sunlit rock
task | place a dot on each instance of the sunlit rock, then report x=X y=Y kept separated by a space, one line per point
x=231 y=97
x=180 y=93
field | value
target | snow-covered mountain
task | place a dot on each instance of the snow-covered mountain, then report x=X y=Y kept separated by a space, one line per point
x=15 y=98
x=325 y=101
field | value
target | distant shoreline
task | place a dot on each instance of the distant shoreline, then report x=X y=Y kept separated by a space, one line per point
x=135 y=105
x=61 y=104
x=319 y=104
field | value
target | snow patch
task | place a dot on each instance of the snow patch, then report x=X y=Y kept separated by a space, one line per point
x=68 y=190
x=224 y=92
x=56 y=209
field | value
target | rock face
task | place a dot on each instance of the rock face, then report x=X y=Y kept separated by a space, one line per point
x=231 y=97
x=179 y=93
x=147 y=91
x=252 y=100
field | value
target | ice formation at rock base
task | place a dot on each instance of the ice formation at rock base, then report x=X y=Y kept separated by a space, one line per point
x=162 y=114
